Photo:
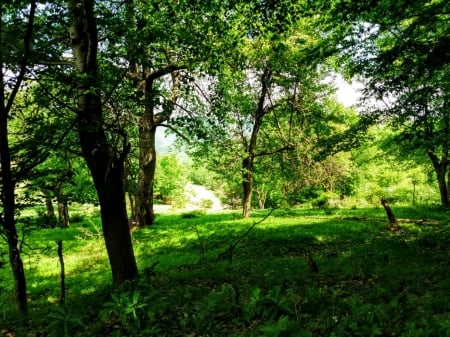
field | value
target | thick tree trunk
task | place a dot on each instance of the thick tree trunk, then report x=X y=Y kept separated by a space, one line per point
x=440 y=168
x=105 y=163
x=144 y=214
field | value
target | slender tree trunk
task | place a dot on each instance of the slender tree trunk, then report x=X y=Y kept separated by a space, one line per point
x=247 y=185
x=248 y=162
x=440 y=168
x=105 y=163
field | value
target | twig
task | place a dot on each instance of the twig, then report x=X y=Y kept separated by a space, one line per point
x=200 y=243
x=228 y=253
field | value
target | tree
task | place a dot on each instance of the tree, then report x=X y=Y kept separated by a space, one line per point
x=162 y=52
x=105 y=162
x=16 y=69
x=401 y=51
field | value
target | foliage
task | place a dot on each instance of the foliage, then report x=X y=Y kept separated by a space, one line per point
x=171 y=177
x=63 y=322
x=400 y=50
x=133 y=306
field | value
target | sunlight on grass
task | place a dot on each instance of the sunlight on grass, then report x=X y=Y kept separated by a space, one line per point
x=361 y=266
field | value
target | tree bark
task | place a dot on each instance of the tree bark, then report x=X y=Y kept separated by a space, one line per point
x=147 y=164
x=105 y=163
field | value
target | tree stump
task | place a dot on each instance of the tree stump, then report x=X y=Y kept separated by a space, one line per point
x=393 y=224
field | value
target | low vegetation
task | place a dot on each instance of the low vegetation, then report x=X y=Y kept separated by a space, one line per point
x=300 y=272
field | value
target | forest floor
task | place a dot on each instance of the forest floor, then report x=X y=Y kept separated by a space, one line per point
x=299 y=272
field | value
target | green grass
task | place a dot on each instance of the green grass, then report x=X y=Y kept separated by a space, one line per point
x=371 y=282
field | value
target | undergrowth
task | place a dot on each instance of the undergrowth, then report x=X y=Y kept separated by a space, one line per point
x=369 y=281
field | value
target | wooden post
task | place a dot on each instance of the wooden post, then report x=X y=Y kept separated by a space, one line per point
x=62 y=297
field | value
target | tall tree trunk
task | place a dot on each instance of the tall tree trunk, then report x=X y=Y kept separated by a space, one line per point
x=147 y=163
x=144 y=212
x=105 y=163
x=440 y=168
x=248 y=162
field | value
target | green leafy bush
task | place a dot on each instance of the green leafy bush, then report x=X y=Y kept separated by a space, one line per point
x=63 y=322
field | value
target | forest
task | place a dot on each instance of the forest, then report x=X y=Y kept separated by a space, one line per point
x=322 y=218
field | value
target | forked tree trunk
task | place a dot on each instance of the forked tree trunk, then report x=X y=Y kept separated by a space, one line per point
x=105 y=163
x=440 y=168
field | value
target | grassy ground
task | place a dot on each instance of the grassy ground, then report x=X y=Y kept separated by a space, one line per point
x=370 y=281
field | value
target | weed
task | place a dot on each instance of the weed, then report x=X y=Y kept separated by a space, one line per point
x=131 y=311
x=63 y=322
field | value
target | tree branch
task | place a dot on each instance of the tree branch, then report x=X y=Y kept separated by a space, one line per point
x=176 y=131
x=26 y=55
